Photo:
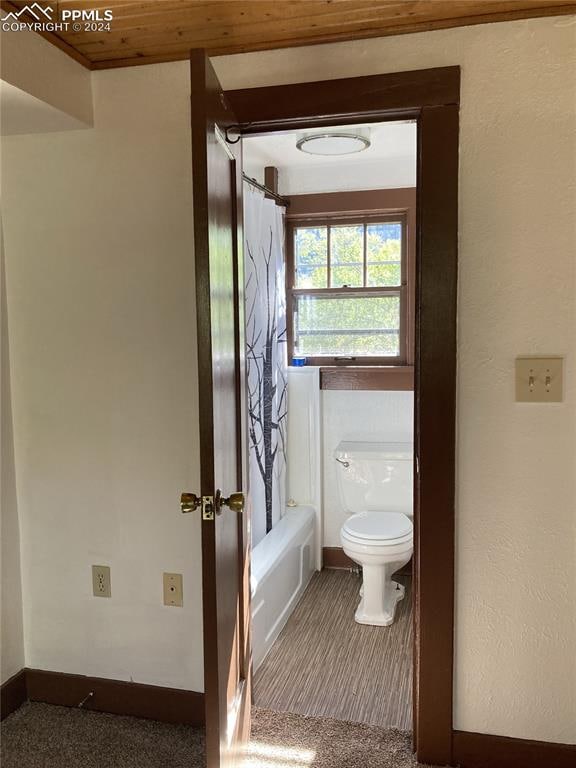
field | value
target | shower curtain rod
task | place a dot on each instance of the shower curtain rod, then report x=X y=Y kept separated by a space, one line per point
x=262 y=188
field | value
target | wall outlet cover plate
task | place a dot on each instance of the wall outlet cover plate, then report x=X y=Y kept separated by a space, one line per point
x=173 y=589
x=101 y=584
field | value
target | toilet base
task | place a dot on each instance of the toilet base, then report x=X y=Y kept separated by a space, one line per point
x=384 y=617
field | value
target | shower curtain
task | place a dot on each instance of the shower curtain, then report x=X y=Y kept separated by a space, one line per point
x=265 y=358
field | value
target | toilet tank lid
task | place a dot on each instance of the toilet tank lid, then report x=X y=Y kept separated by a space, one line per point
x=362 y=450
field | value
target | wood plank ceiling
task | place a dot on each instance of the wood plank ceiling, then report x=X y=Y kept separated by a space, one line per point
x=165 y=30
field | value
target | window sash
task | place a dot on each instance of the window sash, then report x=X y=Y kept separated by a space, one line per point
x=351 y=221
x=293 y=292
x=361 y=291
x=396 y=291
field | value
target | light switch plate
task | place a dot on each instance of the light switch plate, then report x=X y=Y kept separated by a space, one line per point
x=101 y=585
x=173 y=589
x=539 y=379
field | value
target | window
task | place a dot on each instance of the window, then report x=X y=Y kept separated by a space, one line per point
x=346 y=287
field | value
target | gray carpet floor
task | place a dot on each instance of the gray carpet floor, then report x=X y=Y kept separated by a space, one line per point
x=44 y=736
x=324 y=664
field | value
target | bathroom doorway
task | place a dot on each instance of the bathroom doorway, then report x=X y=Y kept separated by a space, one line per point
x=431 y=97
x=329 y=243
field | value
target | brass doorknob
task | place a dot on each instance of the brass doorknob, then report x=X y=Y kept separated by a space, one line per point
x=235 y=502
x=189 y=502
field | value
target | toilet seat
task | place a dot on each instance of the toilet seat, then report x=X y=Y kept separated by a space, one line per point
x=385 y=528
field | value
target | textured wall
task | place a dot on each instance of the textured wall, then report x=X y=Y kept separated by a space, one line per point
x=515 y=576
x=100 y=272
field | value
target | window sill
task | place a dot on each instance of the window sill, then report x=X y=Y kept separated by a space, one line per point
x=385 y=377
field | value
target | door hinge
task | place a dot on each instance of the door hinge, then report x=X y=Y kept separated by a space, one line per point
x=207 y=507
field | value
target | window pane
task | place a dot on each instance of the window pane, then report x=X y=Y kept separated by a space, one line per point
x=347 y=256
x=384 y=254
x=347 y=326
x=311 y=257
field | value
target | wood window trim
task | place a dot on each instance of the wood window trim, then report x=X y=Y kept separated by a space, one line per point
x=348 y=207
x=391 y=378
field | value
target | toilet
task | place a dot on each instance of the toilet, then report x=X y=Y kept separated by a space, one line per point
x=376 y=490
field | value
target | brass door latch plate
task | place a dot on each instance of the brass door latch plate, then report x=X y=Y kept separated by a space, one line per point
x=207 y=507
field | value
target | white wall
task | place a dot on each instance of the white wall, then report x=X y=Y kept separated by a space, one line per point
x=36 y=67
x=12 y=633
x=22 y=113
x=99 y=317
x=304 y=447
x=515 y=571
x=397 y=173
x=353 y=415
x=342 y=177
x=100 y=275
x=389 y=162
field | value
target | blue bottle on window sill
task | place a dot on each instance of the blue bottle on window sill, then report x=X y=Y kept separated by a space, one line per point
x=298 y=362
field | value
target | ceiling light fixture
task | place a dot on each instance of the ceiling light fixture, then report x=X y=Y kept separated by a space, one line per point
x=333 y=143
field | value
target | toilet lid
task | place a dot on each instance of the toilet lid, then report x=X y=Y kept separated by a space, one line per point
x=379 y=525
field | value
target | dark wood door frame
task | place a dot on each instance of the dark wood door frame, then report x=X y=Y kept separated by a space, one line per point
x=431 y=97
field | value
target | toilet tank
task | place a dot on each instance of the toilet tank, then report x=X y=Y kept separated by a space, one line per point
x=375 y=476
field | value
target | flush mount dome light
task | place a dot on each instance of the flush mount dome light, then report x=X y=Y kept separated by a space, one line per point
x=333 y=143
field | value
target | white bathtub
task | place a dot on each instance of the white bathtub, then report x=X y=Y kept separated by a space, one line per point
x=282 y=565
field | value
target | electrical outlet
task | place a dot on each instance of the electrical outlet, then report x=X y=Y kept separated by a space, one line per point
x=101 y=586
x=173 y=589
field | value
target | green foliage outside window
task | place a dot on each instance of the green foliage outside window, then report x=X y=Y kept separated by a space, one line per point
x=383 y=255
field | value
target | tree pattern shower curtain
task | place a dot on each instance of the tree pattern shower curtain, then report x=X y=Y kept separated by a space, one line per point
x=265 y=359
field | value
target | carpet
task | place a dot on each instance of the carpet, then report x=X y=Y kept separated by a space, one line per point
x=45 y=736
x=314 y=742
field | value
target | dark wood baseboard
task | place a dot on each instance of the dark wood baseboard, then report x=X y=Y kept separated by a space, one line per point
x=481 y=750
x=13 y=694
x=168 y=705
x=334 y=557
